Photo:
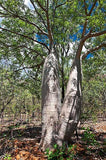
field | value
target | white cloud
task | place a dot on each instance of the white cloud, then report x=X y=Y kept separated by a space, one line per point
x=84 y=49
x=26 y=2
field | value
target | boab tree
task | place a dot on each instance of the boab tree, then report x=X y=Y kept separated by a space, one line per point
x=46 y=19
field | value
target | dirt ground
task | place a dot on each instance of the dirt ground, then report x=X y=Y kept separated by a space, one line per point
x=20 y=141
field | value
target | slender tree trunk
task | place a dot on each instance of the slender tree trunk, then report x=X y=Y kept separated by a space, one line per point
x=70 y=112
x=51 y=101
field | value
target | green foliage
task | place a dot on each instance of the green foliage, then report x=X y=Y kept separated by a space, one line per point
x=94 y=97
x=94 y=94
x=60 y=153
x=89 y=137
x=95 y=65
x=15 y=97
x=8 y=157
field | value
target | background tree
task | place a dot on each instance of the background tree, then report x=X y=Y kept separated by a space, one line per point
x=6 y=87
x=58 y=121
x=94 y=94
x=16 y=97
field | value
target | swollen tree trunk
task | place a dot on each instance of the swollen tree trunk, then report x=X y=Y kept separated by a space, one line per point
x=51 y=101
x=70 y=112
x=58 y=124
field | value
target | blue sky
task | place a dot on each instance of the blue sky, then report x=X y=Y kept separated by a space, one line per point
x=89 y=56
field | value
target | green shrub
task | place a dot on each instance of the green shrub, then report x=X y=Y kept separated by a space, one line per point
x=60 y=153
x=7 y=157
x=89 y=137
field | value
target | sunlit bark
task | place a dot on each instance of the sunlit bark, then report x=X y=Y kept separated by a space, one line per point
x=70 y=112
x=50 y=101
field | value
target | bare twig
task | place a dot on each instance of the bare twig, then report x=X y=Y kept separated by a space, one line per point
x=93 y=49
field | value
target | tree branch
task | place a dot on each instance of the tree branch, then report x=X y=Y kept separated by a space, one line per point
x=41 y=6
x=93 y=49
x=9 y=101
x=25 y=36
x=95 y=34
x=63 y=4
x=48 y=25
x=38 y=13
x=4 y=14
x=60 y=5
x=24 y=19
x=20 y=46
x=84 y=28
x=25 y=67
x=92 y=8
x=85 y=6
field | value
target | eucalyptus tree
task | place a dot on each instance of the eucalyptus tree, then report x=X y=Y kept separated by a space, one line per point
x=45 y=19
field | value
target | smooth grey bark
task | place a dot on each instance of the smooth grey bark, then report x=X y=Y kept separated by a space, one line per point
x=70 y=112
x=51 y=101
x=59 y=123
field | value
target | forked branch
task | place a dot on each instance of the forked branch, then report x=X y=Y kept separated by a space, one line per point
x=93 y=49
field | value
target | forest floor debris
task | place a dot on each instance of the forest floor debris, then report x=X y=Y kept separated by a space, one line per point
x=21 y=142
